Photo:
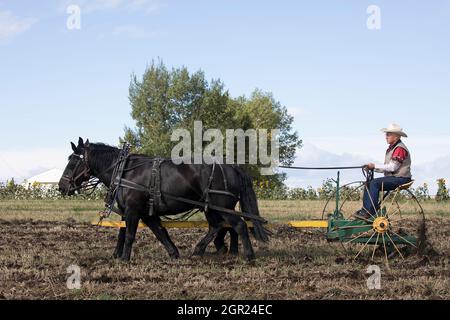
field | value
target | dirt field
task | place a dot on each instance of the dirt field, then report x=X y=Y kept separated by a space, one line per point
x=39 y=240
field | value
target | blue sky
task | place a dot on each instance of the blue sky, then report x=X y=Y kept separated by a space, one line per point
x=340 y=80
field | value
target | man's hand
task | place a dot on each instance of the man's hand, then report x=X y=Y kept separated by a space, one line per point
x=370 y=166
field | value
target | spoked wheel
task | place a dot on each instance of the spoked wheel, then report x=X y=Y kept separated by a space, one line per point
x=349 y=200
x=397 y=230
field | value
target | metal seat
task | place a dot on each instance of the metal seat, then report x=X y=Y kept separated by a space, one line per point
x=406 y=186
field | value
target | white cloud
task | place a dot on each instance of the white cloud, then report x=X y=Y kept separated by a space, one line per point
x=146 y=6
x=22 y=164
x=431 y=171
x=312 y=156
x=133 y=32
x=424 y=148
x=99 y=5
x=11 y=25
x=92 y=6
x=296 y=112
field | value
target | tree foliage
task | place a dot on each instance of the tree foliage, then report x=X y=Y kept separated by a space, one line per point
x=164 y=100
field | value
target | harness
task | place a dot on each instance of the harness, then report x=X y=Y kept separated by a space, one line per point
x=154 y=190
x=155 y=186
x=208 y=191
x=113 y=190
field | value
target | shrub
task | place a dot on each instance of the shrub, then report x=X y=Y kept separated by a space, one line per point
x=442 y=193
x=13 y=191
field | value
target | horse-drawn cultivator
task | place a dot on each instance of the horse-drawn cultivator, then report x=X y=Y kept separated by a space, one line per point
x=146 y=188
x=397 y=230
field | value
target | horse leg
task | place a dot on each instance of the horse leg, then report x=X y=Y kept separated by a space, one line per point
x=234 y=242
x=120 y=242
x=214 y=227
x=241 y=229
x=154 y=223
x=132 y=222
x=219 y=241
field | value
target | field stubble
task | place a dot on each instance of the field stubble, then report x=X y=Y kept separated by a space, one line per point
x=40 y=239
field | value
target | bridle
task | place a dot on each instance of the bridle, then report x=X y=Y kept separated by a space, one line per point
x=91 y=183
x=86 y=172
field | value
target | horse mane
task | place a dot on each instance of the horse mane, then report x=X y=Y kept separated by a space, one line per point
x=102 y=154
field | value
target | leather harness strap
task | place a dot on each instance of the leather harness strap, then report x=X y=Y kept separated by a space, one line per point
x=217 y=208
x=116 y=181
x=208 y=191
x=154 y=189
x=155 y=186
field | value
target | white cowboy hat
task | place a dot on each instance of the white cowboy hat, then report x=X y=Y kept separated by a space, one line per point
x=395 y=128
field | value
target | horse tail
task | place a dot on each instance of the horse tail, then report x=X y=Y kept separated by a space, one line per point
x=249 y=204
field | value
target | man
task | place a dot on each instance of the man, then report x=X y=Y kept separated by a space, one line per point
x=396 y=169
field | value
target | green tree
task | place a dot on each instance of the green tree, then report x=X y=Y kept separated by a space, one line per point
x=422 y=192
x=164 y=100
x=327 y=190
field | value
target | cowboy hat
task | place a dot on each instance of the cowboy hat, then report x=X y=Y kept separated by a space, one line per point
x=395 y=128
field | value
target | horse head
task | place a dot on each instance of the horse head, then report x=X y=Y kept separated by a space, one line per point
x=77 y=170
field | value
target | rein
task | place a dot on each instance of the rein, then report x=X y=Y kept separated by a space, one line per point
x=118 y=182
x=322 y=168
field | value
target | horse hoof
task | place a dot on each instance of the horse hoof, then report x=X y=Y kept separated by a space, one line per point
x=222 y=251
x=174 y=256
x=250 y=259
x=124 y=259
x=196 y=256
x=198 y=252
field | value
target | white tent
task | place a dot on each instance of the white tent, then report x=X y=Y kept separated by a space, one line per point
x=48 y=178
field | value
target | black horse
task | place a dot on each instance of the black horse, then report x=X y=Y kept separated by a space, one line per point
x=186 y=181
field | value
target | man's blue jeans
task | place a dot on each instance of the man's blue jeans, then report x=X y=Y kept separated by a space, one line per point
x=375 y=186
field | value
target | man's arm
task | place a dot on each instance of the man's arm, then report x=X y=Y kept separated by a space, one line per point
x=392 y=166
x=398 y=157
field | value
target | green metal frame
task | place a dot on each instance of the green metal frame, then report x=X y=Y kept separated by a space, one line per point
x=341 y=229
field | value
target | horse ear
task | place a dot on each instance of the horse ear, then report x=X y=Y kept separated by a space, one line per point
x=80 y=142
x=74 y=147
x=86 y=144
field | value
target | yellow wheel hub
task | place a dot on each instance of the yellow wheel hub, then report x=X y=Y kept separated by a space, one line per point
x=381 y=224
